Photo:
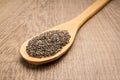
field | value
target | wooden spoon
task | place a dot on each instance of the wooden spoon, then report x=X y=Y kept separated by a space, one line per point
x=72 y=27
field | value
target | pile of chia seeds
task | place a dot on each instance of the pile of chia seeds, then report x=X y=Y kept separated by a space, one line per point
x=48 y=43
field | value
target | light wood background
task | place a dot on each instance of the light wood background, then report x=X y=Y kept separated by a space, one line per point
x=95 y=54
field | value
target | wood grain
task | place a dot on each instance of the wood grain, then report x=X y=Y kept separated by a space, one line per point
x=95 y=54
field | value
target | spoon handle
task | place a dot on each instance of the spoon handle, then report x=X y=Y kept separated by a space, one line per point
x=89 y=12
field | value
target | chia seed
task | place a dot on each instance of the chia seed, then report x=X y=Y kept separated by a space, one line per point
x=48 y=43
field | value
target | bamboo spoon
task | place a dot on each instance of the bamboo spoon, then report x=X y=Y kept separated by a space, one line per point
x=72 y=27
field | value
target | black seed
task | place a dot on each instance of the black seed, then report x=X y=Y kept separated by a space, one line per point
x=48 y=43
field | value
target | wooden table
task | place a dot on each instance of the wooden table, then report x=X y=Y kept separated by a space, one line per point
x=95 y=54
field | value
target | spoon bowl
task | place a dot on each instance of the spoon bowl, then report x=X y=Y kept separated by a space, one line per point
x=35 y=60
x=71 y=26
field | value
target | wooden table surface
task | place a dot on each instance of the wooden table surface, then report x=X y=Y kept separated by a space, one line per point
x=95 y=54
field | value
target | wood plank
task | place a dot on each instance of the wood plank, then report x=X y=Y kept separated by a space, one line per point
x=95 y=54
